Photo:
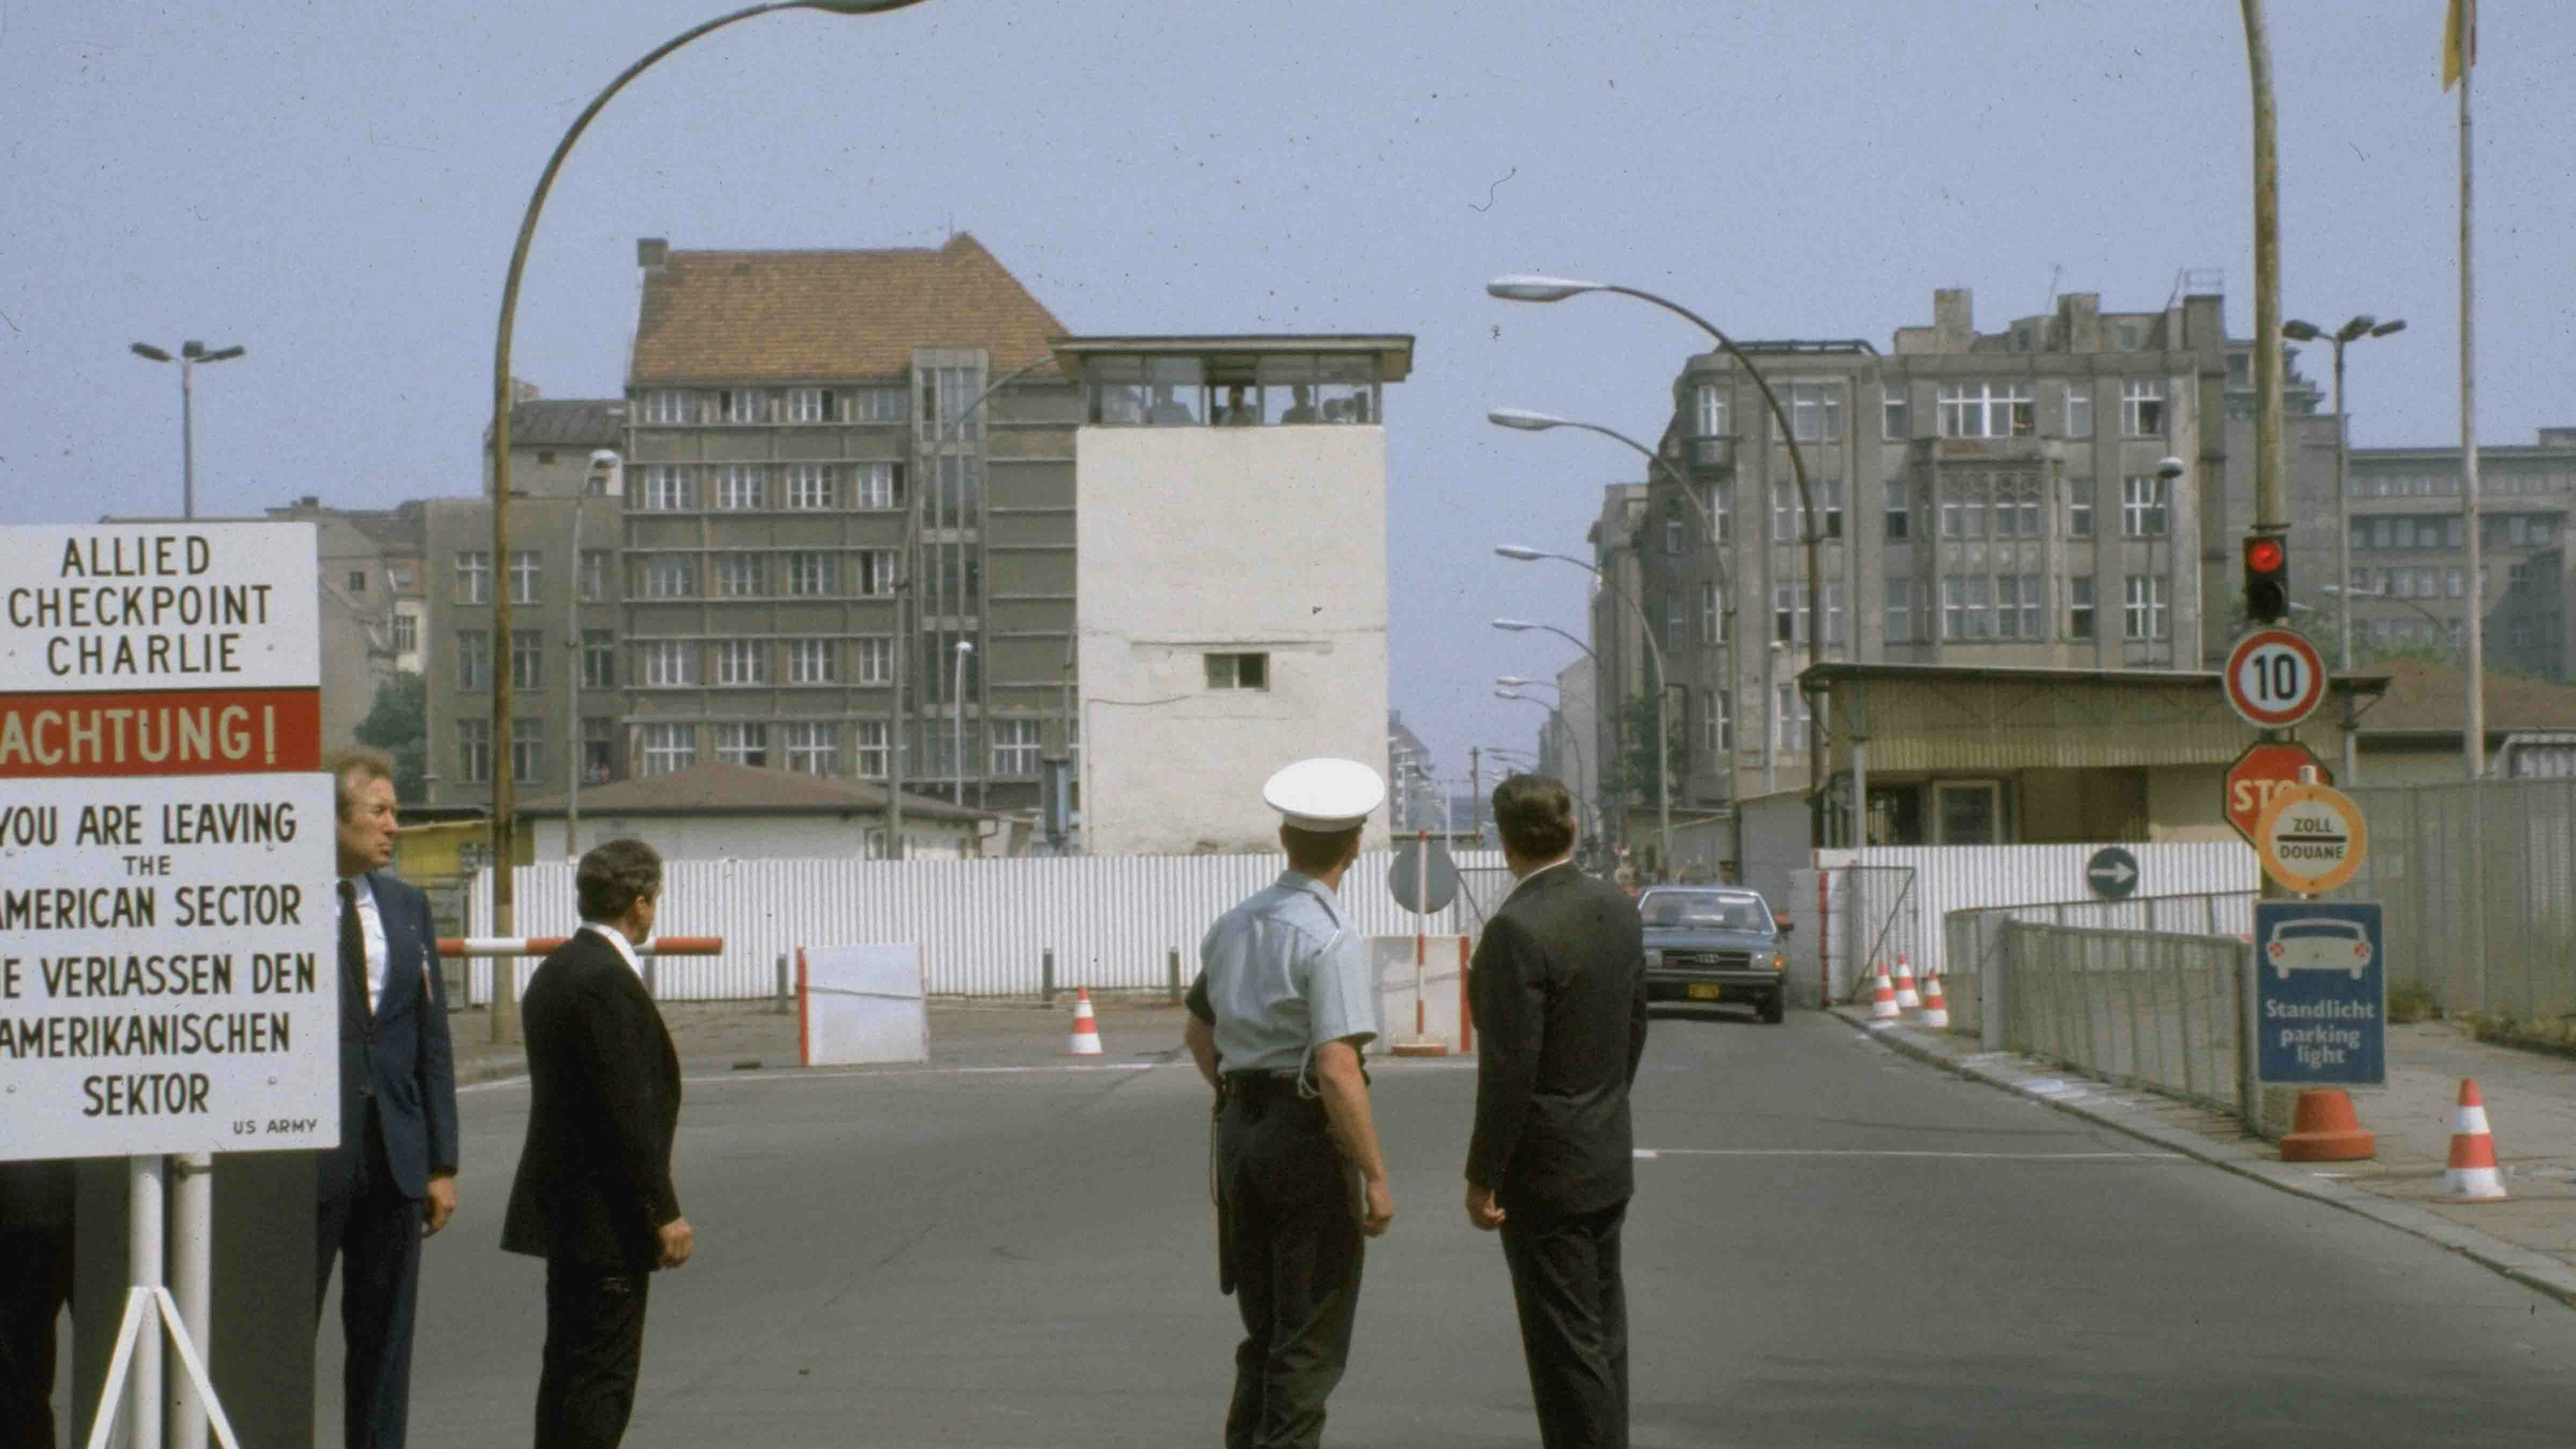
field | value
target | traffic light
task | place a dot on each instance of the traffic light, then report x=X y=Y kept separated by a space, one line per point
x=2267 y=578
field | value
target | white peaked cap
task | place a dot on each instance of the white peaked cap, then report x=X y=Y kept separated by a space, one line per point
x=1325 y=795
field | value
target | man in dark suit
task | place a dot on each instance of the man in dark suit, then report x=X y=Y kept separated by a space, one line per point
x=1558 y=988
x=35 y=1286
x=593 y=1195
x=392 y=1179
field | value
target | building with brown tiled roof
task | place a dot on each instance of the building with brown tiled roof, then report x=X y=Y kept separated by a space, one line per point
x=848 y=526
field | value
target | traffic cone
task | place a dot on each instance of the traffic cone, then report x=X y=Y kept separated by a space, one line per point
x=1882 y=998
x=2327 y=1130
x=1936 y=1008
x=1906 y=1000
x=1086 y=1031
x=2473 y=1175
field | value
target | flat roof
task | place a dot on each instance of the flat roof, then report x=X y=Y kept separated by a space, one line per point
x=1831 y=670
x=1393 y=350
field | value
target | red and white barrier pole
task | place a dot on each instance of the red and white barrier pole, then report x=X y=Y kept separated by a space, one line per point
x=453 y=948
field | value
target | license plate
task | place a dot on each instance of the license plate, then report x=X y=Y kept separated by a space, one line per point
x=1707 y=991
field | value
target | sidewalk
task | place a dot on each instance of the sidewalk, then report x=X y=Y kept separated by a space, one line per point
x=2531 y=1107
x=716 y=1036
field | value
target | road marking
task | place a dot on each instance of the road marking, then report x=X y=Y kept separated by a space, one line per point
x=801 y=1074
x=1649 y=1154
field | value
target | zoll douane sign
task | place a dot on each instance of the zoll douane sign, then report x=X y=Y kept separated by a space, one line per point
x=2311 y=838
x=167 y=939
x=2264 y=770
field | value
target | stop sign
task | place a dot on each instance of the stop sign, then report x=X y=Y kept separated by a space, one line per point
x=2261 y=772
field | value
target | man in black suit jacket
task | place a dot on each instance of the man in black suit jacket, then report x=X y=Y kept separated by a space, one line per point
x=593 y=1195
x=1558 y=988
x=392 y=1179
x=35 y=1286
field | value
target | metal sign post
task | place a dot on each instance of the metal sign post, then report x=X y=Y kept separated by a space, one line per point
x=162 y=981
x=1423 y=879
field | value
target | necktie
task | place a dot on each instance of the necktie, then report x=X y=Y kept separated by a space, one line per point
x=354 y=1011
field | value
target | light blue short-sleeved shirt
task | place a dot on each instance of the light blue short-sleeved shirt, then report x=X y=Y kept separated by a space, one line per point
x=1284 y=974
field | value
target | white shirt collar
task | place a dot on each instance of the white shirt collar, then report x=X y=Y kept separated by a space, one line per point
x=1523 y=882
x=617 y=938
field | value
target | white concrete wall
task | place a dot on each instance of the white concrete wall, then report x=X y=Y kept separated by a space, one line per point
x=750 y=837
x=1225 y=540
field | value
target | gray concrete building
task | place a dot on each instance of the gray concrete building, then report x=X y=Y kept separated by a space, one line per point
x=1983 y=498
x=565 y=594
x=841 y=556
x=2410 y=551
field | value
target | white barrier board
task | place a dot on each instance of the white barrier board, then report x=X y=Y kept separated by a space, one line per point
x=861 y=1004
x=1443 y=994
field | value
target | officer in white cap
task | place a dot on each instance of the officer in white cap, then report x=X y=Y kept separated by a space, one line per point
x=1282 y=1005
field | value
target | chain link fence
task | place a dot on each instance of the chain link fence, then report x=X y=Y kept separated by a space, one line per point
x=2147 y=1009
x=1973 y=940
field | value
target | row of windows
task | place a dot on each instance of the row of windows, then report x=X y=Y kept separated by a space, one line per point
x=865 y=660
x=790 y=573
x=1971 y=607
x=1964 y=410
x=1970 y=506
x=749 y=406
x=808 y=747
x=2509 y=530
x=759 y=487
x=2448 y=485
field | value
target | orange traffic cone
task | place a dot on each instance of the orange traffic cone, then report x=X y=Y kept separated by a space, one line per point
x=1086 y=1030
x=1936 y=1008
x=2327 y=1130
x=1906 y=1000
x=1882 y=998
x=2473 y=1175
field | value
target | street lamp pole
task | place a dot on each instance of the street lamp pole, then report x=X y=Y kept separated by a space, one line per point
x=190 y=354
x=1556 y=726
x=505 y=994
x=2352 y=331
x=957 y=701
x=1515 y=626
x=1554 y=289
x=1663 y=709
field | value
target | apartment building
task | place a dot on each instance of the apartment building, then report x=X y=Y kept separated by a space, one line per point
x=1982 y=498
x=848 y=527
x=2410 y=582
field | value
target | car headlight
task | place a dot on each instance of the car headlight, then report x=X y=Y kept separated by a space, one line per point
x=1654 y=958
x=1779 y=962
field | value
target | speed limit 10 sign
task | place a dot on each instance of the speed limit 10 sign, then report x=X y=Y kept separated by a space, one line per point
x=2275 y=678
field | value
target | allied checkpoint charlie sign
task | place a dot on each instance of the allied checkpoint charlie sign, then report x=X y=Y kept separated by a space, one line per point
x=167 y=942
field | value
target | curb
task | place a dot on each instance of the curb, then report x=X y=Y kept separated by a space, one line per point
x=2532 y=1269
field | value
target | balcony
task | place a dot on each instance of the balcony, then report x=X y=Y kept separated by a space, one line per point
x=1712 y=452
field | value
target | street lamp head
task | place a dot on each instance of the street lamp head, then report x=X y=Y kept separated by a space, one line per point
x=1527 y=287
x=147 y=350
x=1508 y=694
x=857 y=7
x=2169 y=468
x=2358 y=327
x=2298 y=331
x=2394 y=324
x=1513 y=626
x=226 y=355
x=1523 y=419
x=1517 y=551
x=965 y=646
x=1510 y=681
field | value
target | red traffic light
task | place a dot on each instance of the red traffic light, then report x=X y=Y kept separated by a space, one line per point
x=2265 y=555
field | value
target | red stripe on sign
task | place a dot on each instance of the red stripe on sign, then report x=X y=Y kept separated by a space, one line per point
x=163 y=732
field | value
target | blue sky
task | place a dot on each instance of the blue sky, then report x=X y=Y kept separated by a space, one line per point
x=336 y=185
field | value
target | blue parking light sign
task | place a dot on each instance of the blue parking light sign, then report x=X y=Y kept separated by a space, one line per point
x=2320 y=994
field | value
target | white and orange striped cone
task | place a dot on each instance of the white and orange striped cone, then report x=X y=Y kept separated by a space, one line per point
x=1936 y=1008
x=2473 y=1175
x=1882 y=998
x=1086 y=1030
x=1906 y=1000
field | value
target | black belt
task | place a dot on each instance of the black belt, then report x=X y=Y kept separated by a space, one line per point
x=1254 y=1086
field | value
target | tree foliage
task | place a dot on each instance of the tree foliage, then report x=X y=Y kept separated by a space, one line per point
x=398 y=724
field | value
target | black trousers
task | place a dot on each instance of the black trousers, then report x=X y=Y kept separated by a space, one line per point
x=1574 y=1323
x=1294 y=1244
x=594 y=1345
x=35 y=1285
x=374 y=1231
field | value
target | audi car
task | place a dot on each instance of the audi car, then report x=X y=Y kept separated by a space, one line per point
x=1713 y=944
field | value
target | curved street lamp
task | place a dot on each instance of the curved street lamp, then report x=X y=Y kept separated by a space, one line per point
x=1515 y=626
x=2358 y=328
x=1556 y=723
x=1663 y=754
x=505 y=987
x=1538 y=288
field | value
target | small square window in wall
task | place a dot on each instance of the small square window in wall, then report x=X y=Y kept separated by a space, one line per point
x=1238 y=671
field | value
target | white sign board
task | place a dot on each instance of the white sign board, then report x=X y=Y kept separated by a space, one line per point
x=861 y=1004
x=168 y=942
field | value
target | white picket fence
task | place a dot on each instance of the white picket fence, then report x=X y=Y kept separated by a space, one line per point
x=983 y=925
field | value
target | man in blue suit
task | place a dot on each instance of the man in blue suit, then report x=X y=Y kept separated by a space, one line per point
x=392 y=1180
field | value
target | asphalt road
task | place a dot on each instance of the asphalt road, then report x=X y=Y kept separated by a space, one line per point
x=1829 y=1246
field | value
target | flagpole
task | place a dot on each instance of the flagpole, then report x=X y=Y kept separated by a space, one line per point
x=2473 y=743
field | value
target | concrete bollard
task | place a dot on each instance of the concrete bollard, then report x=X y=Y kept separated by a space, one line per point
x=1173 y=966
x=785 y=991
x=1046 y=976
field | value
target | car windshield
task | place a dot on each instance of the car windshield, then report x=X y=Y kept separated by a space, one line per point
x=1705 y=910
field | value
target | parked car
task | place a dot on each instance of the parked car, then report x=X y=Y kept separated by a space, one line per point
x=2319 y=943
x=1713 y=943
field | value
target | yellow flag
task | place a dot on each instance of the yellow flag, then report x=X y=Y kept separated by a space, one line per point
x=2459 y=41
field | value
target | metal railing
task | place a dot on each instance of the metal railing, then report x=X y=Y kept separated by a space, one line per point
x=2154 y=1010
x=1973 y=939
